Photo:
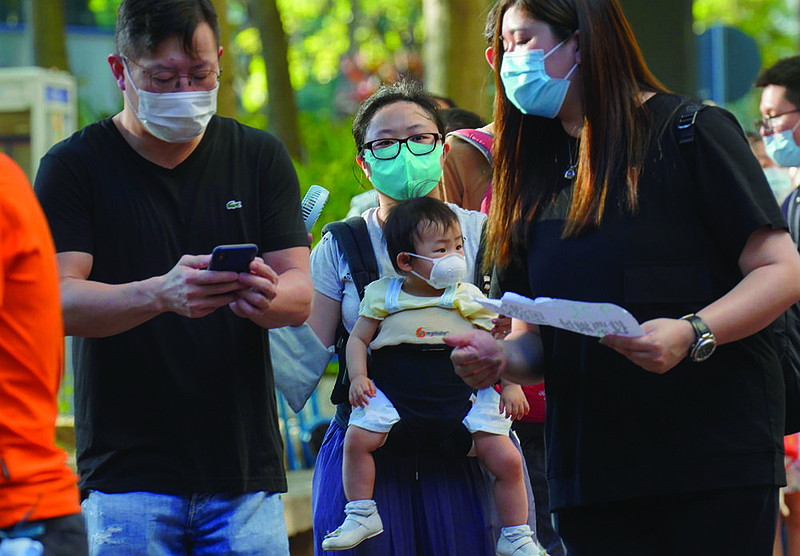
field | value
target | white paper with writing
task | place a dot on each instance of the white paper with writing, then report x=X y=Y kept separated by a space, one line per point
x=592 y=319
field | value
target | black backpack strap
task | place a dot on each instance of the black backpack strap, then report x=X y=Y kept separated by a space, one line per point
x=352 y=236
x=353 y=239
x=687 y=116
x=686 y=120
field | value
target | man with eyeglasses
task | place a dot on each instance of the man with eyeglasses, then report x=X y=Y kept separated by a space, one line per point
x=780 y=126
x=178 y=445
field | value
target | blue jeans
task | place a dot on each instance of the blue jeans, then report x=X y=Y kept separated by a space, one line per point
x=144 y=523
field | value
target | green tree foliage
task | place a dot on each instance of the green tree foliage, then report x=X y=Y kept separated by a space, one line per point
x=105 y=12
x=340 y=51
x=331 y=164
x=773 y=24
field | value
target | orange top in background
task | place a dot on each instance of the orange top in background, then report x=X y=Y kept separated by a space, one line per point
x=35 y=482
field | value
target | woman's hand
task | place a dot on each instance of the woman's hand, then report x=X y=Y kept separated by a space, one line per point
x=664 y=344
x=361 y=390
x=478 y=358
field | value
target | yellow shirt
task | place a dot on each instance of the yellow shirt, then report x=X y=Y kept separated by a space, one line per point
x=413 y=319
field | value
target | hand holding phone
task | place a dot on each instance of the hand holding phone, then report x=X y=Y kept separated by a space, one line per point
x=233 y=258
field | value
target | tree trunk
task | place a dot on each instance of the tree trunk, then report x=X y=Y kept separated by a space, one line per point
x=453 y=53
x=281 y=105
x=436 y=18
x=226 y=98
x=49 y=37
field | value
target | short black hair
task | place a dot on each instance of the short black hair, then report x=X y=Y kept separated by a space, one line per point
x=461 y=118
x=408 y=218
x=401 y=91
x=143 y=24
x=784 y=73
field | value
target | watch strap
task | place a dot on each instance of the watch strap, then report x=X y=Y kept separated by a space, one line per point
x=698 y=325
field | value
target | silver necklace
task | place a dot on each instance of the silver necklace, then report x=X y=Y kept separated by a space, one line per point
x=572 y=169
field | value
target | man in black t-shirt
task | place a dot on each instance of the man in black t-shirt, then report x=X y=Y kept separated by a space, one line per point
x=178 y=440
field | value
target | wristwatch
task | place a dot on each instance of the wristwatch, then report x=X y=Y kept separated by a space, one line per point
x=704 y=343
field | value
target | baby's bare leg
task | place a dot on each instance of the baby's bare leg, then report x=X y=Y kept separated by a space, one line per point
x=358 y=465
x=499 y=455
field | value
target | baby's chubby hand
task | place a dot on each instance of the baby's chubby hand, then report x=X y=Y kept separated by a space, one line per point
x=361 y=390
x=513 y=402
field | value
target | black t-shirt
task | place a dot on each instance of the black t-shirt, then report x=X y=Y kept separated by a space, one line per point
x=615 y=431
x=175 y=405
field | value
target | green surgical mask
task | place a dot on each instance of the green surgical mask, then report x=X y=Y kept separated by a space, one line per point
x=407 y=175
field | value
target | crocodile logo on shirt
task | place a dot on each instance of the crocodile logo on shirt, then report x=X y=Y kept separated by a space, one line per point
x=233 y=205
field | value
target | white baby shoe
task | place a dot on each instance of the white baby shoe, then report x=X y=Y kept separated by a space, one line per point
x=518 y=541
x=362 y=522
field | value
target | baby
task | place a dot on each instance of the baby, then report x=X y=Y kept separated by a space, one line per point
x=411 y=364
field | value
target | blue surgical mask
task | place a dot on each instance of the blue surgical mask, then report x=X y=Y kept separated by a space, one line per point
x=407 y=175
x=779 y=181
x=528 y=86
x=782 y=149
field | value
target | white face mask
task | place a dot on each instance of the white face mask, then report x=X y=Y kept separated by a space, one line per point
x=782 y=149
x=446 y=271
x=175 y=117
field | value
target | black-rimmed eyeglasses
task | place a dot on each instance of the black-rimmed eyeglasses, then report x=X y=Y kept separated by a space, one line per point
x=389 y=147
x=764 y=125
x=166 y=81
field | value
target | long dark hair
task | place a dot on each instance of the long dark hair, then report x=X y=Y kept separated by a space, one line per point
x=613 y=140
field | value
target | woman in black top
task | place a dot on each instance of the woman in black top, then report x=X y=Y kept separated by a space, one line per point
x=655 y=444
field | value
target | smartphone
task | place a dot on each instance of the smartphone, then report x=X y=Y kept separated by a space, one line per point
x=234 y=258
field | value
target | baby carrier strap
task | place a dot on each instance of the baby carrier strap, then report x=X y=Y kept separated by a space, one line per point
x=446 y=300
x=393 y=294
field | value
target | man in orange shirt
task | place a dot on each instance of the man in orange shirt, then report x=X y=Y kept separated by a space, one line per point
x=38 y=493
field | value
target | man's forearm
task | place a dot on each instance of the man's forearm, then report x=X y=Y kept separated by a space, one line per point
x=96 y=310
x=292 y=304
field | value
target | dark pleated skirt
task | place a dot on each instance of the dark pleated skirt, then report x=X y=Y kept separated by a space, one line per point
x=430 y=505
